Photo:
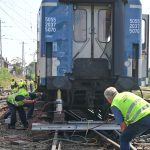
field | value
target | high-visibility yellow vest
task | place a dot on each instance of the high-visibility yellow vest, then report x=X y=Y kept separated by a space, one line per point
x=11 y=99
x=13 y=83
x=132 y=107
x=20 y=84
x=23 y=92
x=14 y=87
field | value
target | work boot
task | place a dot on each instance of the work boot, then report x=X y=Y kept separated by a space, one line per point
x=23 y=128
x=26 y=126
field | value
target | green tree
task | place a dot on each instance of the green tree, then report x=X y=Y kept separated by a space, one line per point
x=5 y=77
x=30 y=71
x=17 y=66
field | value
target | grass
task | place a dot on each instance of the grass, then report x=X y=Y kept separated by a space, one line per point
x=145 y=92
x=6 y=77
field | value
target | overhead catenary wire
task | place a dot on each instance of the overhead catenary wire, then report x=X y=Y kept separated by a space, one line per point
x=22 y=16
x=16 y=5
x=11 y=8
x=25 y=33
x=27 y=19
x=26 y=2
x=17 y=20
x=19 y=27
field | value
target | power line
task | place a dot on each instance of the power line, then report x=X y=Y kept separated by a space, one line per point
x=31 y=28
x=16 y=5
x=14 y=10
x=15 y=22
x=28 y=4
x=18 y=21
x=28 y=19
x=13 y=19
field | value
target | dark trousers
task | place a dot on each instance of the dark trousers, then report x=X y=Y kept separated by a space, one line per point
x=22 y=115
x=30 y=110
x=29 y=113
x=134 y=130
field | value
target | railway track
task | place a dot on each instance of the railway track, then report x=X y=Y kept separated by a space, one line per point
x=84 y=135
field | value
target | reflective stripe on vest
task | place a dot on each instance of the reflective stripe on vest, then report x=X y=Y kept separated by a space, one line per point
x=138 y=112
x=23 y=92
x=131 y=107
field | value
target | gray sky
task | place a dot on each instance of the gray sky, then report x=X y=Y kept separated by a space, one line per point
x=19 y=24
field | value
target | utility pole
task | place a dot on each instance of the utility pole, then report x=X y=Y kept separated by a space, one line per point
x=0 y=46
x=23 y=58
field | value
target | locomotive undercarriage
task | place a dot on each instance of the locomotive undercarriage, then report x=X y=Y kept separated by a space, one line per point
x=82 y=91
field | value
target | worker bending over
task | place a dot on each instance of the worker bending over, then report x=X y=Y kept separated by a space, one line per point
x=15 y=104
x=31 y=95
x=131 y=112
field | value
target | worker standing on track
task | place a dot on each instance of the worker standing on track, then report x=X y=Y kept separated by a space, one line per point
x=25 y=82
x=32 y=86
x=20 y=83
x=131 y=112
x=14 y=86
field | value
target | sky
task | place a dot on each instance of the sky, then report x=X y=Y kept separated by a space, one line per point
x=19 y=24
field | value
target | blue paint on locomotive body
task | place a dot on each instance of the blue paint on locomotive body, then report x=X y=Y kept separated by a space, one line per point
x=57 y=29
x=132 y=32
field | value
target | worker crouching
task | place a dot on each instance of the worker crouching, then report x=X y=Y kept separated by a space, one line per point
x=131 y=112
x=16 y=104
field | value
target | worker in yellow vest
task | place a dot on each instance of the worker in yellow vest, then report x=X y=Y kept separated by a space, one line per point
x=31 y=85
x=14 y=86
x=25 y=82
x=20 y=83
x=131 y=112
x=15 y=104
x=23 y=91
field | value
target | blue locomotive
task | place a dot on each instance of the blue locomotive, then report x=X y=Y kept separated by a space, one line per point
x=85 y=46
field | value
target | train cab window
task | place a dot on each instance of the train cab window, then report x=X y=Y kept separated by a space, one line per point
x=80 y=25
x=143 y=33
x=104 y=25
